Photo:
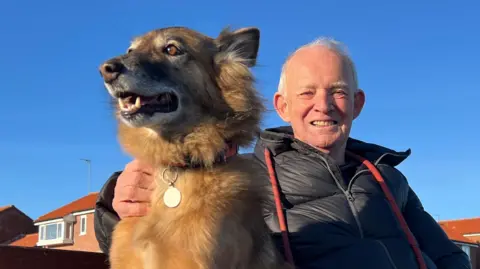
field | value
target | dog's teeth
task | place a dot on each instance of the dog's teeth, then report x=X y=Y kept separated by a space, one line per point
x=121 y=104
x=138 y=102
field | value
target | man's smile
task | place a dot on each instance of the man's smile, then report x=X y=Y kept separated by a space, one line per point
x=323 y=123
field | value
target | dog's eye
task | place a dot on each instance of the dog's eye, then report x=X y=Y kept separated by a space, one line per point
x=172 y=50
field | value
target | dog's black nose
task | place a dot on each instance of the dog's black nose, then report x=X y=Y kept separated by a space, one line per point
x=110 y=70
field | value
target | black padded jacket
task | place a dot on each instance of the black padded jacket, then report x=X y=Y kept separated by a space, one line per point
x=337 y=217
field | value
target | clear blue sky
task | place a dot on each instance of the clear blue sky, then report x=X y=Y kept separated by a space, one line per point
x=418 y=62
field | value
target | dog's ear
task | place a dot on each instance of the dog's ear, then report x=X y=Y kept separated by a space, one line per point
x=243 y=43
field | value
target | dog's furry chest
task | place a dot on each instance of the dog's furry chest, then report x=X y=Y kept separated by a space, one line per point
x=207 y=197
x=213 y=203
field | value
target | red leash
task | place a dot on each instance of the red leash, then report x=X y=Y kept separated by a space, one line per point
x=278 y=205
x=378 y=177
x=395 y=208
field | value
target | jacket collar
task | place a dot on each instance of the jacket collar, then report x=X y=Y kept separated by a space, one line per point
x=280 y=139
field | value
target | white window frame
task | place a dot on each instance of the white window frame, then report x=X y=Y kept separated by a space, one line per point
x=467 y=250
x=82 y=225
x=58 y=231
x=62 y=235
x=42 y=233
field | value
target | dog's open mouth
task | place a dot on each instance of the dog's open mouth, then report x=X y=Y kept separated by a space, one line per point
x=131 y=103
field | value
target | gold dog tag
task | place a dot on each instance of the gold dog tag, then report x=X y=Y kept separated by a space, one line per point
x=172 y=197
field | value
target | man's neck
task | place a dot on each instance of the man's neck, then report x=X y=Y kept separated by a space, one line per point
x=338 y=155
x=336 y=152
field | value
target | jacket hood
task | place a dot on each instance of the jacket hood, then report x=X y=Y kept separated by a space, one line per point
x=280 y=139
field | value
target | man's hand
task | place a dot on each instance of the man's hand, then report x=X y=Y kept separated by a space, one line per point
x=133 y=189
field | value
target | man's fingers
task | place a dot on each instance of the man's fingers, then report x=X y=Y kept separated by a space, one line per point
x=132 y=209
x=137 y=166
x=133 y=190
x=137 y=179
x=132 y=193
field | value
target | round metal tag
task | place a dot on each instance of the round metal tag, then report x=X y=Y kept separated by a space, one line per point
x=172 y=197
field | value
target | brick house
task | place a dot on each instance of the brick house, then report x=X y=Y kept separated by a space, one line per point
x=69 y=227
x=466 y=234
x=14 y=224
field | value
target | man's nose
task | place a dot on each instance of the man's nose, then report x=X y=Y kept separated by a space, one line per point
x=110 y=70
x=323 y=102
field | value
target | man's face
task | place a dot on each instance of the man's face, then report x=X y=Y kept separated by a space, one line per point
x=321 y=101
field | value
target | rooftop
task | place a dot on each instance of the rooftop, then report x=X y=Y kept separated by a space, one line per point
x=464 y=226
x=2 y=208
x=29 y=240
x=84 y=203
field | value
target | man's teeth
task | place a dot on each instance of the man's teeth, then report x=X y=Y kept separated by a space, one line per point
x=126 y=106
x=323 y=122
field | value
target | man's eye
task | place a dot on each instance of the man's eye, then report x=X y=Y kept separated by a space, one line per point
x=339 y=93
x=306 y=93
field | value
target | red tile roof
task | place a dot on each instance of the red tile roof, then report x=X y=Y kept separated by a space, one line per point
x=84 y=203
x=464 y=226
x=29 y=240
x=2 y=208
x=454 y=234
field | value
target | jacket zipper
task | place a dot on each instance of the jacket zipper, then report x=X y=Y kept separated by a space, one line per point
x=354 y=210
x=350 y=198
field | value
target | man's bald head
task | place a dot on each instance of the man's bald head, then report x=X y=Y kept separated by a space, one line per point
x=320 y=43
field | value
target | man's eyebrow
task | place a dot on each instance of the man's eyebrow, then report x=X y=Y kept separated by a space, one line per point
x=339 y=84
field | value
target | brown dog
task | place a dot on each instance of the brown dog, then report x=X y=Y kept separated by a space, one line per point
x=184 y=100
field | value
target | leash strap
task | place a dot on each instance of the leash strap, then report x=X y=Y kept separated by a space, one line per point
x=378 y=177
x=278 y=205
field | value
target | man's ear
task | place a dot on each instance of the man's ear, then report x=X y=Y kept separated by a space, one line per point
x=280 y=104
x=243 y=43
x=358 y=103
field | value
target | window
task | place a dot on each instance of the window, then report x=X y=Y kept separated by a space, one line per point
x=42 y=232
x=466 y=249
x=51 y=231
x=55 y=232
x=69 y=231
x=83 y=225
